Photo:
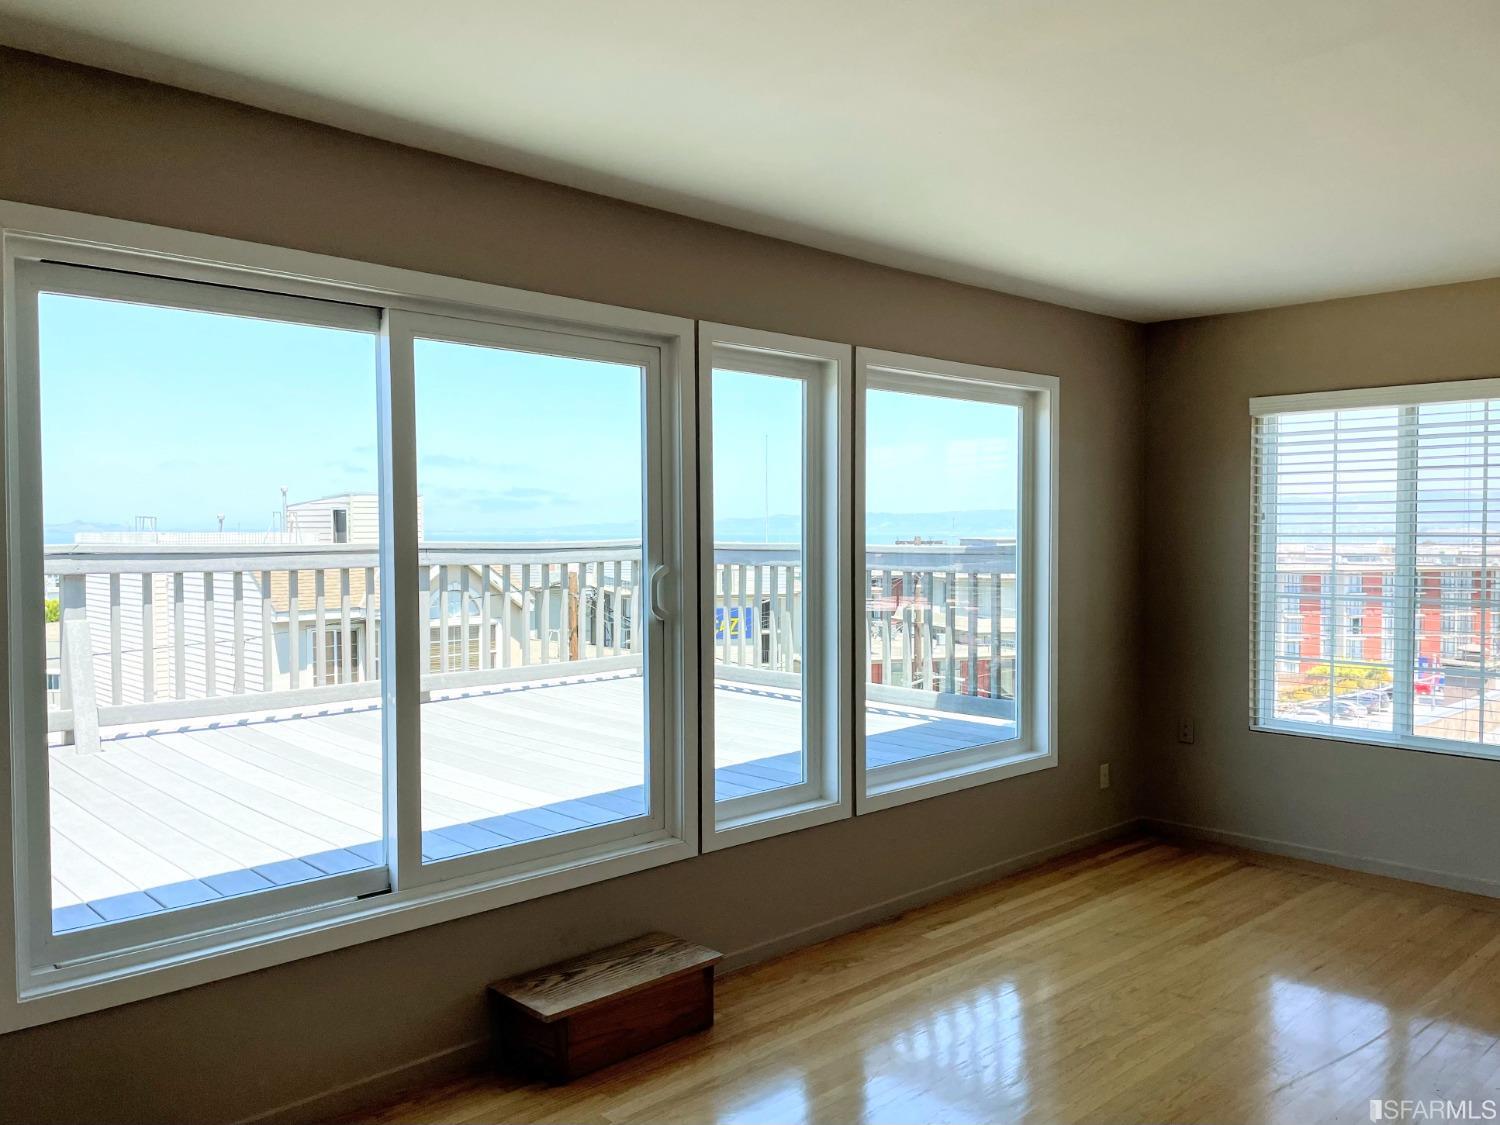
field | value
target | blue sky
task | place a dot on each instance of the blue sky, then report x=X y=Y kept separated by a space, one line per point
x=940 y=455
x=185 y=416
x=758 y=467
x=510 y=441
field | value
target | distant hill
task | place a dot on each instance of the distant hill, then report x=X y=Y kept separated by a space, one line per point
x=64 y=533
x=1445 y=512
x=981 y=523
x=780 y=528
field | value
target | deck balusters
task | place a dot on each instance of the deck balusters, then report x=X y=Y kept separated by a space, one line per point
x=971 y=677
x=237 y=592
x=544 y=624
x=463 y=618
x=507 y=586
x=179 y=637
x=486 y=629
x=210 y=653
x=116 y=691
x=906 y=629
x=346 y=628
x=526 y=604
x=320 y=629
x=996 y=604
x=442 y=637
x=267 y=632
x=371 y=647
x=293 y=629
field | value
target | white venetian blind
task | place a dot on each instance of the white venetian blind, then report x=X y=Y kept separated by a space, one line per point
x=1375 y=547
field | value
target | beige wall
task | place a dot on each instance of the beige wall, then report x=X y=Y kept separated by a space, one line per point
x=85 y=140
x=1403 y=812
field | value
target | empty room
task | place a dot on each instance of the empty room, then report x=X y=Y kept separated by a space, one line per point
x=795 y=563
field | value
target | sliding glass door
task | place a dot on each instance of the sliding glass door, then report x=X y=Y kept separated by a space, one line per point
x=529 y=564
x=194 y=443
x=337 y=602
x=535 y=634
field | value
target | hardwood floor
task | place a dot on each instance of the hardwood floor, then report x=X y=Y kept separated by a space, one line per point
x=1143 y=981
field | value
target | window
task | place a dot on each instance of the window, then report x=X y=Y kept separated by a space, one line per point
x=955 y=513
x=535 y=733
x=773 y=414
x=1291 y=633
x=336 y=645
x=1385 y=503
x=232 y=747
x=176 y=800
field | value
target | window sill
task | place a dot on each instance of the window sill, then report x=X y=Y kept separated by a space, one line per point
x=959 y=773
x=727 y=833
x=1357 y=737
x=57 y=993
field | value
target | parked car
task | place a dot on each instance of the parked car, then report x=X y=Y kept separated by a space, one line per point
x=1338 y=708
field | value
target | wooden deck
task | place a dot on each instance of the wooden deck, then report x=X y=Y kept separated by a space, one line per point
x=164 y=817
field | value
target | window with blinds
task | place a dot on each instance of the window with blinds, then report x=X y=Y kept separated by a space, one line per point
x=1375 y=555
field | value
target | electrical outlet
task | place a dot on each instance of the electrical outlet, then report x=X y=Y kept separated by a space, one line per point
x=1187 y=731
x=1104 y=776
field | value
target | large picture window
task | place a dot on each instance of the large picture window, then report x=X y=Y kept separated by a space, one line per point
x=1374 y=563
x=955 y=519
x=343 y=600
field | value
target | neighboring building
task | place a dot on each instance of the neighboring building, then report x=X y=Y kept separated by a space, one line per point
x=349 y=517
x=1332 y=609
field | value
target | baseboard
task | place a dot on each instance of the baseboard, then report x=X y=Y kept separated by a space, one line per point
x=1368 y=865
x=889 y=908
x=450 y=1062
x=351 y=1097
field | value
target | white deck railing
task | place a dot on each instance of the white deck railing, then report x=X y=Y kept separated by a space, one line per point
x=164 y=632
x=152 y=633
x=941 y=628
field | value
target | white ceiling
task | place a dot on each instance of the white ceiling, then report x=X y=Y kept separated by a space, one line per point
x=1147 y=158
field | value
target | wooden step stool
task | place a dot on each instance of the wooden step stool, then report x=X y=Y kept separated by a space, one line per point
x=574 y=1017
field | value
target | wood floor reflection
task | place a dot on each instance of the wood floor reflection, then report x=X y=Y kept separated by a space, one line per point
x=1144 y=981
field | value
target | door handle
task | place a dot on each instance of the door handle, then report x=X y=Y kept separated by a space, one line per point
x=659 y=579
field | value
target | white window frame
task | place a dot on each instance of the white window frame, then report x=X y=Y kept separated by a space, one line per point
x=32 y=993
x=1262 y=595
x=824 y=371
x=33 y=277
x=1036 y=655
x=660 y=559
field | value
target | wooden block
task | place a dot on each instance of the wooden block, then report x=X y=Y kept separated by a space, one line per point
x=568 y=1019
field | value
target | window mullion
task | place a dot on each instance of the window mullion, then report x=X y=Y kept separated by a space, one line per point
x=1403 y=688
x=401 y=622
